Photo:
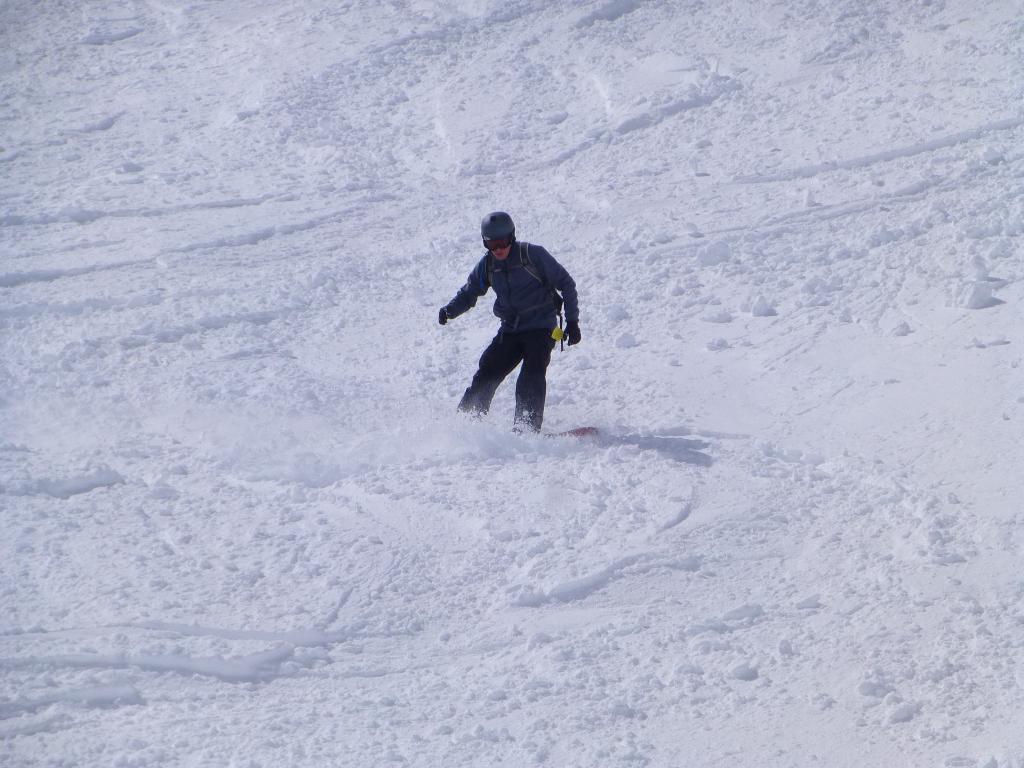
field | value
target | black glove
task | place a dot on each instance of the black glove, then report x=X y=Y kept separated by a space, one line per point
x=572 y=332
x=442 y=316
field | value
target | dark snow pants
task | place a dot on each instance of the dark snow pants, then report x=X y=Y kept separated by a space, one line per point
x=503 y=354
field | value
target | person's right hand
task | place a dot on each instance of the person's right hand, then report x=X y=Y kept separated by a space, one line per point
x=442 y=316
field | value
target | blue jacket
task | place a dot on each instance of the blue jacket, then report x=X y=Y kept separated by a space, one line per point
x=521 y=300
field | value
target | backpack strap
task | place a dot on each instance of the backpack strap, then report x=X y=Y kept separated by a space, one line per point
x=524 y=259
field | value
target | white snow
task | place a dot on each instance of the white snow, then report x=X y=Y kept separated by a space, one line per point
x=243 y=524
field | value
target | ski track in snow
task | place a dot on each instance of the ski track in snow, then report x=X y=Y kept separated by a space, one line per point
x=888 y=155
x=243 y=523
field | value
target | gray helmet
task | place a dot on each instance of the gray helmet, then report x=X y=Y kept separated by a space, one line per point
x=497 y=225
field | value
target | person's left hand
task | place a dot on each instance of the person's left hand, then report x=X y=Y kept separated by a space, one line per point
x=572 y=332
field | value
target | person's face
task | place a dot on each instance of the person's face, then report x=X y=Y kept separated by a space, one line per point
x=500 y=247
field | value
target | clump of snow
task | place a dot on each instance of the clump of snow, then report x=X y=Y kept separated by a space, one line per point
x=745 y=672
x=718 y=344
x=762 y=308
x=976 y=294
x=715 y=253
x=721 y=316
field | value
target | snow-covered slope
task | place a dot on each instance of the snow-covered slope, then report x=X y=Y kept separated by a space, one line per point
x=244 y=526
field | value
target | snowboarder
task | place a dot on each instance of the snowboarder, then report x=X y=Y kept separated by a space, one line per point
x=527 y=282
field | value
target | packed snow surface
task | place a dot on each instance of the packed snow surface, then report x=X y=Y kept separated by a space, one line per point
x=242 y=523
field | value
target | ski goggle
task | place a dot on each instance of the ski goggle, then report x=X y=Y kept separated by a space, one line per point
x=497 y=243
